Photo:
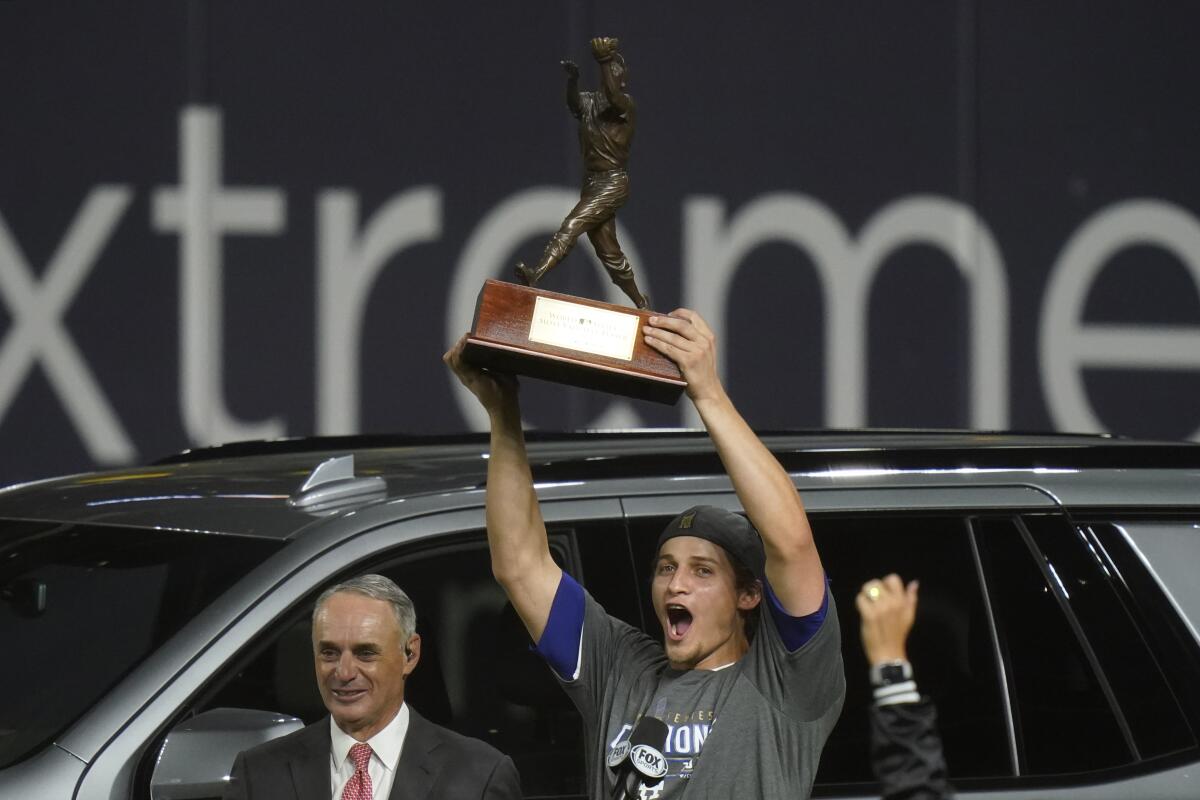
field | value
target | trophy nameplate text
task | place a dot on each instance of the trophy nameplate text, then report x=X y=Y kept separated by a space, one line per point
x=571 y=340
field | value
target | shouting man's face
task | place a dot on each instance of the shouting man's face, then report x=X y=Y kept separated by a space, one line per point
x=699 y=605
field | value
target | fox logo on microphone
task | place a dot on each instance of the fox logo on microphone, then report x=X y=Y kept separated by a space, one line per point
x=648 y=761
x=619 y=753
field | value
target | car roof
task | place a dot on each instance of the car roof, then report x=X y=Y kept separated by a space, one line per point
x=248 y=488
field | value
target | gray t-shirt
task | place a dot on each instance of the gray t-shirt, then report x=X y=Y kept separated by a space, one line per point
x=752 y=729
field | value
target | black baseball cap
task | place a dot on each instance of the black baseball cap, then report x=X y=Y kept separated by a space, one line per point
x=731 y=531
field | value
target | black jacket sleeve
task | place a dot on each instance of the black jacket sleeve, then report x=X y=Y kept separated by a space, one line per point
x=906 y=752
x=504 y=783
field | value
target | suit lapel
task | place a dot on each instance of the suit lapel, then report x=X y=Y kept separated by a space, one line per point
x=416 y=769
x=309 y=763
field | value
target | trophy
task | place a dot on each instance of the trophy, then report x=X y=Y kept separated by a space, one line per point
x=524 y=330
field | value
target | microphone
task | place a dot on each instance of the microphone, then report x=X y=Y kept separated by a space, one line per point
x=639 y=759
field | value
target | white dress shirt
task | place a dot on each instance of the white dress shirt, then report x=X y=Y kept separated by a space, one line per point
x=385 y=755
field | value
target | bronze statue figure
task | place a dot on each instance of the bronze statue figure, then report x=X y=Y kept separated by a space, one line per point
x=606 y=122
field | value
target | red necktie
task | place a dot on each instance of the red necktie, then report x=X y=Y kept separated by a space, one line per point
x=359 y=786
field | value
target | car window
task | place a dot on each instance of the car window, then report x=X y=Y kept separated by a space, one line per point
x=477 y=674
x=1171 y=645
x=1156 y=724
x=1064 y=720
x=84 y=605
x=951 y=645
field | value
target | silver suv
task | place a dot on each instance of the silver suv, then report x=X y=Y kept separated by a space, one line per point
x=156 y=620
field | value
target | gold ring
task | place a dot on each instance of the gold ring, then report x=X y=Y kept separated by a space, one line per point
x=873 y=593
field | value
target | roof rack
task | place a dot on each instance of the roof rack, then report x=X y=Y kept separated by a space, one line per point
x=318 y=444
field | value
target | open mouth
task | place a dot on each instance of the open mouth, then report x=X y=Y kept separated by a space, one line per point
x=679 y=620
x=348 y=695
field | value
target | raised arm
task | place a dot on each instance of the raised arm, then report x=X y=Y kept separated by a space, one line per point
x=764 y=488
x=906 y=748
x=521 y=558
x=573 y=102
x=604 y=49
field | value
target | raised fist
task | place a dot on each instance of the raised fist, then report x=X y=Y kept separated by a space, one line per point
x=887 y=607
x=571 y=67
x=603 y=47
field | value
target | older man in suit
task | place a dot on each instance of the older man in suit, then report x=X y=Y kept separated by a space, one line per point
x=373 y=745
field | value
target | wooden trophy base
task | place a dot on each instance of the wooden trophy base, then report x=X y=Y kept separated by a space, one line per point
x=571 y=340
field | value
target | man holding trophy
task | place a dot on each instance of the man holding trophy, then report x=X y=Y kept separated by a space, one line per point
x=772 y=678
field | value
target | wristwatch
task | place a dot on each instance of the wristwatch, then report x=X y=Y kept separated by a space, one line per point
x=886 y=673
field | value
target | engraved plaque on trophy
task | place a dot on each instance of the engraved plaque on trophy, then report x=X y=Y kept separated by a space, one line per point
x=571 y=340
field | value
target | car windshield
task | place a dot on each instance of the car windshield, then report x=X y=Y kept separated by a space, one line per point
x=81 y=606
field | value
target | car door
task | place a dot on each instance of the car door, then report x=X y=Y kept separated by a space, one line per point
x=476 y=673
x=1026 y=706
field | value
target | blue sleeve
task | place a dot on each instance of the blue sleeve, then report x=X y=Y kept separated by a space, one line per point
x=794 y=631
x=563 y=635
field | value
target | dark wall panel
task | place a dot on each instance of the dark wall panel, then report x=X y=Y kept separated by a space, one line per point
x=996 y=130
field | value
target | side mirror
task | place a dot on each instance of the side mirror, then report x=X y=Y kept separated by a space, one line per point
x=198 y=754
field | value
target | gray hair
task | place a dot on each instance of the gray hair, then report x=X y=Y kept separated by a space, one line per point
x=377 y=587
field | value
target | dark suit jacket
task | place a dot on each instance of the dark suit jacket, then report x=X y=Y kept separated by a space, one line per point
x=435 y=762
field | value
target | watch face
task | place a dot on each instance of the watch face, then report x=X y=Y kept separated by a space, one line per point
x=888 y=673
